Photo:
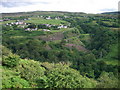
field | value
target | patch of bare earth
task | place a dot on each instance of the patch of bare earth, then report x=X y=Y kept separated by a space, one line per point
x=78 y=47
x=47 y=47
x=56 y=36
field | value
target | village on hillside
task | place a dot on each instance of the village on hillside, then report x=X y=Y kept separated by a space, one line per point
x=30 y=26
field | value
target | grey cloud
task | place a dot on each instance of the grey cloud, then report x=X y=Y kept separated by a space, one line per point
x=17 y=4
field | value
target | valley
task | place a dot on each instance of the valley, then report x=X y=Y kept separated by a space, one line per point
x=45 y=49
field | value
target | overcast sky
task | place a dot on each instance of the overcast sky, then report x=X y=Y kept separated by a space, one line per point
x=87 y=6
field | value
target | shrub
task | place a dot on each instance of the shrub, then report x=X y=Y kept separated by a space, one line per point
x=30 y=70
x=5 y=51
x=15 y=82
x=18 y=82
x=11 y=79
x=11 y=60
x=65 y=77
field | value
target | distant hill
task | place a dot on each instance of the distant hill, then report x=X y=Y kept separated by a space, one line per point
x=40 y=13
x=117 y=12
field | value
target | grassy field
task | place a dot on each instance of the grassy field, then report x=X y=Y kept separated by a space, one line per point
x=112 y=62
x=61 y=30
x=113 y=52
x=4 y=22
x=111 y=58
x=17 y=33
x=44 y=21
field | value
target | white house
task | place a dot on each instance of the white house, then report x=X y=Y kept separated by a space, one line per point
x=31 y=29
x=36 y=28
x=1 y=20
x=7 y=24
x=65 y=27
x=62 y=26
x=46 y=30
x=12 y=22
x=20 y=22
x=16 y=23
x=48 y=17
x=28 y=29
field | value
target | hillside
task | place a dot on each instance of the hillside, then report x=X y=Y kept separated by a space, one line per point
x=117 y=12
x=23 y=73
x=60 y=49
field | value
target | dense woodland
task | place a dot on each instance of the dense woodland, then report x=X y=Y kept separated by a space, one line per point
x=84 y=54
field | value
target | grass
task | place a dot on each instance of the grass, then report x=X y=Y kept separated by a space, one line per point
x=85 y=37
x=18 y=37
x=113 y=52
x=21 y=33
x=114 y=28
x=4 y=22
x=61 y=30
x=110 y=58
x=44 y=21
x=75 y=40
x=112 y=62
x=108 y=23
x=54 y=42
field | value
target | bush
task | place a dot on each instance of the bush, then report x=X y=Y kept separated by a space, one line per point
x=11 y=60
x=65 y=77
x=18 y=82
x=11 y=79
x=30 y=70
x=15 y=82
x=5 y=51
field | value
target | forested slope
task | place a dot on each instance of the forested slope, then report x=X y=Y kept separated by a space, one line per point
x=23 y=73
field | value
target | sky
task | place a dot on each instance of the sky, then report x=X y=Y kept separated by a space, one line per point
x=87 y=6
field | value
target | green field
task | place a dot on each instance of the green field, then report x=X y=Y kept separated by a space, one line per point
x=111 y=58
x=4 y=22
x=44 y=21
x=61 y=30
x=18 y=33
x=112 y=62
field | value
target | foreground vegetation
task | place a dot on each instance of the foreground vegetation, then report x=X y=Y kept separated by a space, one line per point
x=21 y=73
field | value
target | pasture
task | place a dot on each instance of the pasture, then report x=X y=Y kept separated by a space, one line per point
x=45 y=21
